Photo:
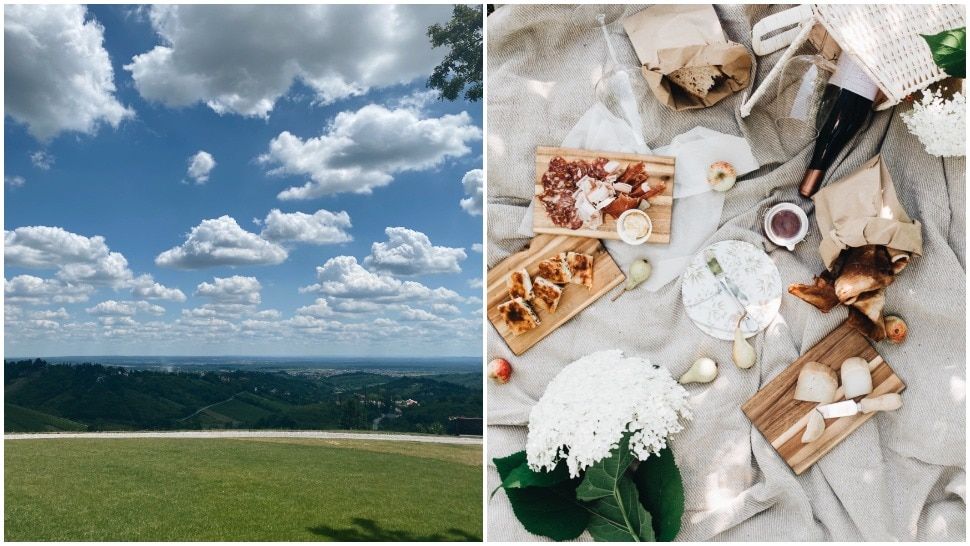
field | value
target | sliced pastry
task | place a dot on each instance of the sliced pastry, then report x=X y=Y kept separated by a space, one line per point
x=547 y=294
x=580 y=268
x=519 y=315
x=555 y=269
x=519 y=284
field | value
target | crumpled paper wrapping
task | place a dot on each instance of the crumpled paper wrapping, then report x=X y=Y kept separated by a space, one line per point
x=862 y=209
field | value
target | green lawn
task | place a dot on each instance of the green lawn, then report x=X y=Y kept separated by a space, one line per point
x=241 y=489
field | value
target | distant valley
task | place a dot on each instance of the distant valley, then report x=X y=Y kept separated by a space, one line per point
x=181 y=393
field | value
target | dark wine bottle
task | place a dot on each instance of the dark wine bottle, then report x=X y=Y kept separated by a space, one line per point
x=847 y=103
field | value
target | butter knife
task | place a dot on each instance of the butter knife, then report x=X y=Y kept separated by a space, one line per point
x=847 y=408
x=732 y=290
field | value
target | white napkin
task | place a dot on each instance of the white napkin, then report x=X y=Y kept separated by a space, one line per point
x=696 y=149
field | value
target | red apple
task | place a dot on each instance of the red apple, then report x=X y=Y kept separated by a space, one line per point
x=500 y=370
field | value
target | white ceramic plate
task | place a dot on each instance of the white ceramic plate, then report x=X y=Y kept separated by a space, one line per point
x=712 y=309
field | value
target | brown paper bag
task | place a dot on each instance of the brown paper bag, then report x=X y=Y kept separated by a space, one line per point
x=668 y=37
x=862 y=209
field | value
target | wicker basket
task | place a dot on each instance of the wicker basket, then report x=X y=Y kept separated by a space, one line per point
x=884 y=40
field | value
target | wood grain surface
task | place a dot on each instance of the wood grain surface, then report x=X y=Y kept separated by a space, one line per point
x=575 y=297
x=661 y=206
x=781 y=419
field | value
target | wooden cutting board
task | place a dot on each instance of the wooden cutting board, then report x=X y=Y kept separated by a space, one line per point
x=661 y=206
x=575 y=297
x=781 y=419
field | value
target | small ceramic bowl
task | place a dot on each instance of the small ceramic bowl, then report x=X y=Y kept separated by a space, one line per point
x=629 y=238
x=781 y=240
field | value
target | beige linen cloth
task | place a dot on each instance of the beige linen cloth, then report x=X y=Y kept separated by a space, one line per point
x=901 y=476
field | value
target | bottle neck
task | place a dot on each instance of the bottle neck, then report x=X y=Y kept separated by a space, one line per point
x=849 y=76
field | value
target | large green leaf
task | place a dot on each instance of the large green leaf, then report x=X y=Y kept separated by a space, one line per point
x=661 y=493
x=602 y=477
x=949 y=50
x=620 y=517
x=548 y=506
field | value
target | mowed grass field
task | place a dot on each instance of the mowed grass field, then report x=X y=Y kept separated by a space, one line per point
x=276 y=489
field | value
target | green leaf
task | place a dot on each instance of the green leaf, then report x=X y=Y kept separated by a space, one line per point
x=516 y=474
x=602 y=477
x=550 y=511
x=949 y=49
x=661 y=493
x=619 y=517
x=548 y=506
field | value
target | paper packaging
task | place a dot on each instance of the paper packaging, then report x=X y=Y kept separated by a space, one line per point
x=862 y=209
x=669 y=37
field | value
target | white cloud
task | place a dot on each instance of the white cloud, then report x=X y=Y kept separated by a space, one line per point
x=242 y=59
x=445 y=309
x=37 y=291
x=42 y=160
x=320 y=228
x=475 y=283
x=477 y=247
x=472 y=182
x=231 y=290
x=200 y=165
x=50 y=314
x=145 y=287
x=77 y=258
x=410 y=313
x=343 y=277
x=14 y=181
x=355 y=306
x=218 y=242
x=58 y=74
x=320 y=308
x=124 y=308
x=409 y=252
x=362 y=150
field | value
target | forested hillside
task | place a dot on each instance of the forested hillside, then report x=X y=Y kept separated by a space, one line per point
x=40 y=396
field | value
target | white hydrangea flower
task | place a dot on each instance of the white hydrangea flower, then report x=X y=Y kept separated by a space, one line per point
x=940 y=125
x=588 y=407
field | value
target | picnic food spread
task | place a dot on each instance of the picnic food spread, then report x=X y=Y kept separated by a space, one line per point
x=586 y=465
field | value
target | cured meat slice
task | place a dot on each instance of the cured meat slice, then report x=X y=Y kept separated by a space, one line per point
x=621 y=204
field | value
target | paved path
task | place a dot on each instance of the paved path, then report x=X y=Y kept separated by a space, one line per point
x=252 y=434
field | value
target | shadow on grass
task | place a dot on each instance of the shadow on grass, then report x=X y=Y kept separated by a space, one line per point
x=368 y=530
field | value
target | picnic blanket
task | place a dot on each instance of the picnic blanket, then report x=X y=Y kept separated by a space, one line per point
x=902 y=475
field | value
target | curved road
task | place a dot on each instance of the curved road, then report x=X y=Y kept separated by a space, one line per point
x=461 y=440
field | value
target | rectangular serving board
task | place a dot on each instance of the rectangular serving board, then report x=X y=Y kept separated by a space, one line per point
x=661 y=206
x=575 y=297
x=781 y=419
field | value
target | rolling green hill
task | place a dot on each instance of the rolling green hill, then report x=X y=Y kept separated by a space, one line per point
x=240 y=490
x=96 y=397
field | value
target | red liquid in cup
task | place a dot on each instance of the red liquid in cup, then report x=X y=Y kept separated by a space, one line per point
x=785 y=224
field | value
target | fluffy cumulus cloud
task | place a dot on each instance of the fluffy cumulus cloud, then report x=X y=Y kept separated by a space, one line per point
x=110 y=308
x=32 y=290
x=219 y=55
x=343 y=277
x=145 y=287
x=319 y=308
x=362 y=150
x=220 y=242
x=42 y=160
x=409 y=252
x=472 y=184
x=320 y=228
x=14 y=181
x=235 y=290
x=75 y=257
x=58 y=74
x=200 y=165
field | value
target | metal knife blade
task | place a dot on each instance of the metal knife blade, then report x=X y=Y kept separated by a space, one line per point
x=838 y=409
x=725 y=281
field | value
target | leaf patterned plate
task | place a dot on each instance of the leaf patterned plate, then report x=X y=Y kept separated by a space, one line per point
x=712 y=309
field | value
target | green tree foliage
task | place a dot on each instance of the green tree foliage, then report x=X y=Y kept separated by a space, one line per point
x=461 y=69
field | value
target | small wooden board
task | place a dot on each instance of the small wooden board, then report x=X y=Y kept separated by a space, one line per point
x=661 y=206
x=781 y=419
x=575 y=297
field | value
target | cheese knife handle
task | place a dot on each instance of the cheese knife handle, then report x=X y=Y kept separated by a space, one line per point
x=886 y=402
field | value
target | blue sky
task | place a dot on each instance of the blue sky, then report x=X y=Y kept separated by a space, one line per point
x=314 y=110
